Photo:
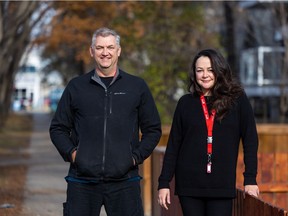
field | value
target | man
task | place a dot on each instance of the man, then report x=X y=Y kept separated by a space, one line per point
x=96 y=129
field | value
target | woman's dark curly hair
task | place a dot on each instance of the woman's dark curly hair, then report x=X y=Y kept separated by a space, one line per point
x=226 y=89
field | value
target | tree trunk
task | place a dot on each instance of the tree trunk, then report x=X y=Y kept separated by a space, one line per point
x=229 y=42
x=6 y=92
x=16 y=24
x=283 y=85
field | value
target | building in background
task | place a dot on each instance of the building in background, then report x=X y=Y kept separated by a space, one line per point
x=27 y=89
x=34 y=90
x=262 y=76
x=260 y=51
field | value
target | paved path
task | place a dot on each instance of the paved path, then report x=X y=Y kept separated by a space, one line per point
x=45 y=189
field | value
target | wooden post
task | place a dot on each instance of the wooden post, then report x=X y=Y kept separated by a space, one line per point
x=147 y=187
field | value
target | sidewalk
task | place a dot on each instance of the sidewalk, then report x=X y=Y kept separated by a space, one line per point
x=45 y=189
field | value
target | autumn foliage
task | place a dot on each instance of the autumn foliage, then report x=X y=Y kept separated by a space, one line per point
x=158 y=40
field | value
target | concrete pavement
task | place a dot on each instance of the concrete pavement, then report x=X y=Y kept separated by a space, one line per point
x=45 y=188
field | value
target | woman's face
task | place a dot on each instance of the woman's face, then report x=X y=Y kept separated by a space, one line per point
x=204 y=74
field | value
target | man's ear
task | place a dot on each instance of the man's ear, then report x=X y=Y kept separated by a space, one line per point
x=91 y=52
x=119 y=51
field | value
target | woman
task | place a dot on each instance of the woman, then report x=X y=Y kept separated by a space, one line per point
x=204 y=140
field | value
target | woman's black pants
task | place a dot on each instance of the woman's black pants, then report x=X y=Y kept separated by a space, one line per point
x=192 y=206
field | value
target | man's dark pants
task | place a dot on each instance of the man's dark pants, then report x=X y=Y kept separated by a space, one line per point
x=119 y=199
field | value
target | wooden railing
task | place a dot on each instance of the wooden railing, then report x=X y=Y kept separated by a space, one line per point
x=272 y=174
x=246 y=205
x=243 y=205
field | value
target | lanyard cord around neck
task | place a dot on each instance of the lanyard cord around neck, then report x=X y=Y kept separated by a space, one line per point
x=209 y=124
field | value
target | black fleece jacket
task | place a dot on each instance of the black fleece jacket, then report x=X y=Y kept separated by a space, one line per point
x=103 y=125
x=186 y=153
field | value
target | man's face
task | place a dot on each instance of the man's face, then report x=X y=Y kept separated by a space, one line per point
x=106 y=53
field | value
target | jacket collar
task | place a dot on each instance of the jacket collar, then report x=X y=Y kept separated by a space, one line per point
x=97 y=79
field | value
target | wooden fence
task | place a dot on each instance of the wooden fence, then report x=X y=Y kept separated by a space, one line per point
x=243 y=205
x=246 y=205
x=272 y=177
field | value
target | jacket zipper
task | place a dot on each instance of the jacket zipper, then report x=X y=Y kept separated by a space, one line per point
x=107 y=108
x=105 y=131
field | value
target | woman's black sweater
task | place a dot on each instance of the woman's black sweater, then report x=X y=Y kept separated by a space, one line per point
x=186 y=153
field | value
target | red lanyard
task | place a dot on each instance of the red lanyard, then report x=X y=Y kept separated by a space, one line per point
x=209 y=124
